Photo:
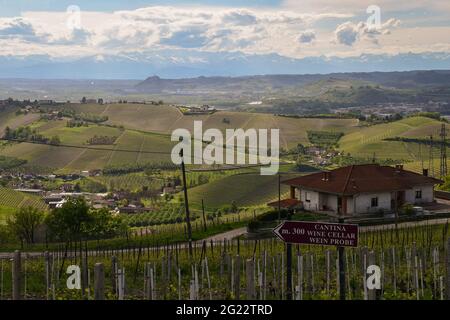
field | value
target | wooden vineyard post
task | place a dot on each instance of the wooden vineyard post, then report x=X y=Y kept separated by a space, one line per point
x=250 y=279
x=394 y=275
x=372 y=294
x=300 y=277
x=328 y=271
x=16 y=275
x=47 y=273
x=84 y=276
x=121 y=283
x=114 y=274
x=447 y=291
x=237 y=278
x=99 y=281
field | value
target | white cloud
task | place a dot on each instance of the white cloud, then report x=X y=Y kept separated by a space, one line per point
x=286 y=32
x=348 y=32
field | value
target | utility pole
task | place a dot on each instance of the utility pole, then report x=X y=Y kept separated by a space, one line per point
x=279 y=197
x=186 y=203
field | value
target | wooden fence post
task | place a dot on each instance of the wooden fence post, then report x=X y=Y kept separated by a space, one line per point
x=99 y=282
x=114 y=274
x=237 y=277
x=47 y=273
x=447 y=292
x=250 y=279
x=371 y=294
x=16 y=276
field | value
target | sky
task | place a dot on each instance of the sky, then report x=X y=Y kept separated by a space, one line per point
x=182 y=34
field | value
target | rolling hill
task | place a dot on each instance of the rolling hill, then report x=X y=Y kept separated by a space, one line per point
x=165 y=119
x=371 y=140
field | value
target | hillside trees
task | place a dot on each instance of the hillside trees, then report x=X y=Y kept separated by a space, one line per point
x=24 y=222
x=75 y=221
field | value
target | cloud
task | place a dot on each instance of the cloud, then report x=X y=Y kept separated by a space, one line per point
x=348 y=32
x=307 y=36
x=22 y=29
x=212 y=29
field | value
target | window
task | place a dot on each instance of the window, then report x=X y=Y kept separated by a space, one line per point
x=307 y=197
x=418 y=194
x=374 y=202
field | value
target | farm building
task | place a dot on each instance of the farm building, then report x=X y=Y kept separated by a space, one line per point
x=359 y=189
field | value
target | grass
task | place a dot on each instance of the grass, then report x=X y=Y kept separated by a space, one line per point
x=244 y=189
x=11 y=200
x=370 y=140
x=72 y=159
x=164 y=119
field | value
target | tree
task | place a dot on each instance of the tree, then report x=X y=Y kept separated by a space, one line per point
x=23 y=223
x=7 y=133
x=55 y=141
x=68 y=223
x=84 y=100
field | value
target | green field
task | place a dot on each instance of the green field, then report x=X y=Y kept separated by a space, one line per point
x=10 y=200
x=370 y=140
x=245 y=189
x=165 y=119
x=78 y=159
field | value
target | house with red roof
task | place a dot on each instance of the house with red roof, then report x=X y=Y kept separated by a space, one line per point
x=359 y=189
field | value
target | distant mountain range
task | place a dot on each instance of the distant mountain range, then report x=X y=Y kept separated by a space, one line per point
x=176 y=65
x=410 y=79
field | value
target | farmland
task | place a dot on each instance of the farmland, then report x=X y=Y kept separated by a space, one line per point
x=10 y=200
x=68 y=159
x=412 y=264
x=164 y=119
x=370 y=140
x=245 y=189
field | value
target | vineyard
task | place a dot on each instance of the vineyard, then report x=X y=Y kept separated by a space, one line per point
x=13 y=199
x=412 y=261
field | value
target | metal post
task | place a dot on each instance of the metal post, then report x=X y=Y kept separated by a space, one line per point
x=289 y=267
x=341 y=254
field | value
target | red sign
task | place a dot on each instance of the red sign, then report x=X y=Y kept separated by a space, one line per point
x=327 y=234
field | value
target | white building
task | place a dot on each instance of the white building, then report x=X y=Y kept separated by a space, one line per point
x=362 y=189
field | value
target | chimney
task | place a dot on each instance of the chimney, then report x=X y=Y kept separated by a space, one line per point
x=425 y=172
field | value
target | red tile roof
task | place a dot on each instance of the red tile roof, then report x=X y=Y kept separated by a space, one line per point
x=362 y=178
x=286 y=203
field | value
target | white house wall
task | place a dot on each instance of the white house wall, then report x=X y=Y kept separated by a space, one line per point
x=313 y=204
x=363 y=202
x=427 y=195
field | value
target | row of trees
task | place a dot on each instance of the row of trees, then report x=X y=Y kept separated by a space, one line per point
x=28 y=134
x=74 y=221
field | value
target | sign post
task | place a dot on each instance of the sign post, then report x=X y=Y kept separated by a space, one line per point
x=329 y=234
x=341 y=268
